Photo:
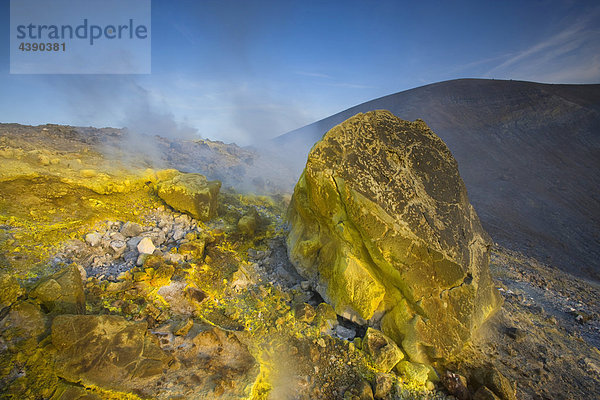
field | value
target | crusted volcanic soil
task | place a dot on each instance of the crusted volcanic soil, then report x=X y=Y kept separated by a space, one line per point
x=545 y=339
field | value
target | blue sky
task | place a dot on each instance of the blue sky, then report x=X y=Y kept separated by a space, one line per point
x=242 y=71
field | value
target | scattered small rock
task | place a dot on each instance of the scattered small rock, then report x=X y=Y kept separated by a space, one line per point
x=195 y=294
x=93 y=239
x=304 y=312
x=61 y=293
x=361 y=390
x=131 y=229
x=413 y=372
x=140 y=260
x=384 y=383
x=496 y=382
x=456 y=385
x=191 y=193
x=133 y=242
x=326 y=318
x=384 y=352
x=178 y=234
x=345 y=333
x=183 y=327
x=145 y=246
x=248 y=223
x=173 y=257
x=118 y=247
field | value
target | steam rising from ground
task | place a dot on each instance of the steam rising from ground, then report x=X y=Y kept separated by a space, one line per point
x=122 y=102
x=153 y=136
x=284 y=376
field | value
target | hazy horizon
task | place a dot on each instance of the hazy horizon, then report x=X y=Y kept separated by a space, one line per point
x=246 y=72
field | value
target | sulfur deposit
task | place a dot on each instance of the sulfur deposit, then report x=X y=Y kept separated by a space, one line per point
x=192 y=194
x=382 y=226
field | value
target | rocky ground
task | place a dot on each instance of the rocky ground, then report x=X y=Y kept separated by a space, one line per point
x=546 y=337
x=109 y=293
x=246 y=169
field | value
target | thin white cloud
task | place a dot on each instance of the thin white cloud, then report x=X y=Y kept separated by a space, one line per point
x=585 y=72
x=550 y=48
x=570 y=56
x=314 y=74
x=477 y=63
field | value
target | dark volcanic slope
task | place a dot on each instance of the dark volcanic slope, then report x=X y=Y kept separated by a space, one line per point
x=529 y=154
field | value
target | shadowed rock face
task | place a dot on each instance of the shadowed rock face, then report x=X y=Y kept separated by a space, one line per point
x=381 y=223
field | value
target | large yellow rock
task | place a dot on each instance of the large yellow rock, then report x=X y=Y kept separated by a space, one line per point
x=192 y=194
x=382 y=226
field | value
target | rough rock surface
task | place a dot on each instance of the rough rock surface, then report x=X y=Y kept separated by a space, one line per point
x=61 y=292
x=383 y=350
x=382 y=226
x=216 y=365
x=247 y=224
x=106 y=350
x=11 y=290
x=145 y=246
x=191 y=193
x=522 y=148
